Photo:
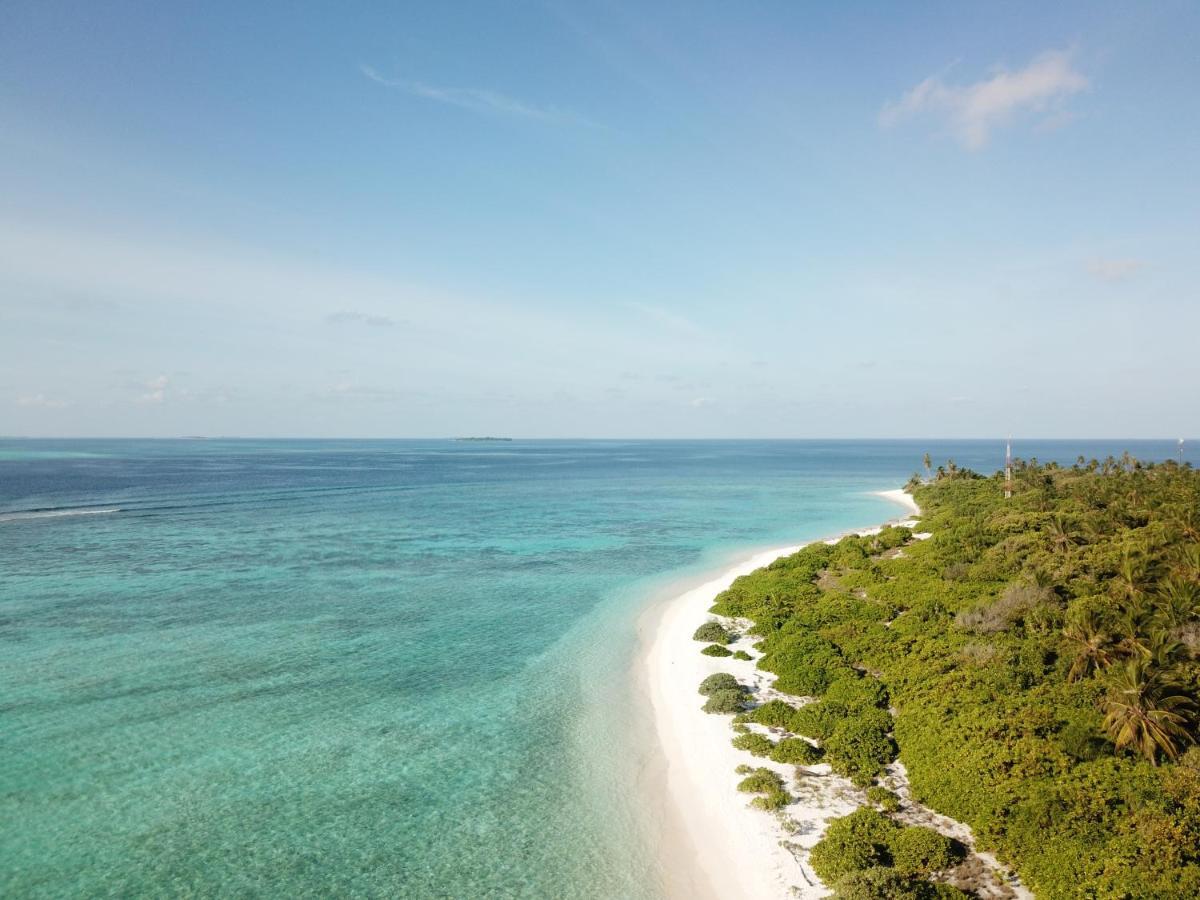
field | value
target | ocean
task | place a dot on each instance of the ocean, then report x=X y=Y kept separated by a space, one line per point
x=371 y=668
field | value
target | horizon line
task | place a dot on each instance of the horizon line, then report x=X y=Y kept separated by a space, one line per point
x=508 y=438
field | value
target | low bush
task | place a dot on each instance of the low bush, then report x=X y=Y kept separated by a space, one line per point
x=857 y=691
x=712 y=633
x=771 y=802
x=725 y=702
x=760 y=780
x=795 y=752
x=768 y=785
x=754 y=743
x=920 y=851
x=741 y=654
x=720 y=681
x=802 y=678
x=867 y=843
x=773 y=714
x=880 y=883
x=817 y=720
x=716 y=650
x=883 y=798
x=853 y=843
x=860 y=747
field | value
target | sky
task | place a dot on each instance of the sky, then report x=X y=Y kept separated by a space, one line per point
x=600 y=219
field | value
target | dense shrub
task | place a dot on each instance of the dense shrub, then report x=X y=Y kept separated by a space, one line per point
x=741 y=654
x=805 y=662
x=817 y=720
x=887 y=884
x=712 y=633
x=801 y=677
x=859 y=748
x=892 y=536
x=716 y=650
x=773 y=714
x=725 y=702
x=919 y=851
x=720 y=681
x=754 y=743
x=796 y=752
x=768 y=785
x=855 y=691
x=853 y=843
x=883 y=798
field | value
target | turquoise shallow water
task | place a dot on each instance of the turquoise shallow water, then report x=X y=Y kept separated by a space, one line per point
x=384 y=668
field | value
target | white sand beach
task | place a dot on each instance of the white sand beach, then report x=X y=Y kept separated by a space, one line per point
x=736 y=850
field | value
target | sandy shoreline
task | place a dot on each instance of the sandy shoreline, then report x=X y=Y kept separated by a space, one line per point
x=732 y=849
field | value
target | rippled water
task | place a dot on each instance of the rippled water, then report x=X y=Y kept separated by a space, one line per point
x=384 y=668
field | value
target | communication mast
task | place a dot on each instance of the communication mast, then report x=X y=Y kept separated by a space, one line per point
x=1008 y=470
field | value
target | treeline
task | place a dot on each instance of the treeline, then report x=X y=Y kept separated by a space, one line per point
x=1033 y=663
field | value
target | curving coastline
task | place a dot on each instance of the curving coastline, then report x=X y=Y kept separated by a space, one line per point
x=737 y=851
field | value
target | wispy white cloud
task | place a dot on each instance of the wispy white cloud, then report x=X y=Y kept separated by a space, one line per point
x=973 y=111
x=346 y=316
x=155 y=390
x=1113 y=270
x=479 y=100
x=41 y=401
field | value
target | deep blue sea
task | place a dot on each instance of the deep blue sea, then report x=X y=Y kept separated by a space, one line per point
x=370 y=668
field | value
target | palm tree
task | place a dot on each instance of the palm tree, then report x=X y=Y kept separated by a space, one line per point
x=1134 y=577
x=1188 y=523
x=1094 y=648
x=1062 y=538
x=928 y=467
x=1146 y=712
x=1177 y=601
x=1186 y=562
x=1136 y=626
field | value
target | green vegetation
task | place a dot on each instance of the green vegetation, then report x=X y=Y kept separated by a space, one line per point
x=716 y=650
x=768 y=785
x=852 y=843
x=867 y=839
x=754 y=743
x=712 y=633
x=773 y=714
x=919 y=851
x=796 y=751
x=741 y=654
x=883 y=798
x=860 y=747
x=725 y=702
x=1039 y=656
x=888 y=884
x=721 y=681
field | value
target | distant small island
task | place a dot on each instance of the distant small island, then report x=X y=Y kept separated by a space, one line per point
x=481 y=439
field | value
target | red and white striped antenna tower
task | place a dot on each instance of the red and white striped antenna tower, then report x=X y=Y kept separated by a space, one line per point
x=1008 y=469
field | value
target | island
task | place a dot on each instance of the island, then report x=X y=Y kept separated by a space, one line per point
x=997 y=700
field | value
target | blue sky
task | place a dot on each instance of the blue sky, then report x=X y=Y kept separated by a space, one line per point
x=599 y=219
